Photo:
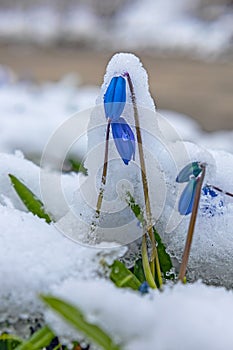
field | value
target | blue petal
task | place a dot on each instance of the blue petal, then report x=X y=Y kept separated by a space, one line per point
x=187 y=197
x=190 y=169
x=124 y=140
x=115 y=98
x=144 y=288
x=207 y=190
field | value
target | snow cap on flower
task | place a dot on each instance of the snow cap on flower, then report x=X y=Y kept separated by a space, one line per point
x=115 y=98
x=191 y=169
x=124 y=139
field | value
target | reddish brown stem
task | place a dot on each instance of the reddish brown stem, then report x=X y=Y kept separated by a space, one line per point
x=220 y=190
x=104 y=173
x=192 y=223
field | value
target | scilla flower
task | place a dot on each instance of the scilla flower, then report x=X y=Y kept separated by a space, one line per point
x=191 y=174
x=187 y=197
x=115 y=98
x=211 y=203
x=192 y=169
x=124 y=139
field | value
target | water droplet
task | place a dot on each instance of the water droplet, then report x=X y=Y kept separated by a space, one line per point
x=125 y=136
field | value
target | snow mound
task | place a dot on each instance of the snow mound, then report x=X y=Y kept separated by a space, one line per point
x=33 y=254
x=167 y=320
x=36 y=258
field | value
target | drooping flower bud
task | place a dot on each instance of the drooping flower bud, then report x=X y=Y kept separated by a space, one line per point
x=192 y=169
x=115 y=98
x=124 y=139
x=186 y=201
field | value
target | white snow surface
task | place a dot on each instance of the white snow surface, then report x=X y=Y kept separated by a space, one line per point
x=35 y=257
x=181 y=317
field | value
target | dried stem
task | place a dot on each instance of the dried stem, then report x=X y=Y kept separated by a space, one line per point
x=192 y=222
x=104 y=173
x=220 y=190
x=145 y=185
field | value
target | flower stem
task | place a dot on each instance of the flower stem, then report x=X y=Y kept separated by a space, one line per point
x=145 y=186
x=220 y=190
x=146 y=265
x=104 y=173
x=192 y=223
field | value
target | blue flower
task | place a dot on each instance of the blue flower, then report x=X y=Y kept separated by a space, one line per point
x=208 y=191
x=211 y=204
x=186 y=201
x=190 y=173
x=115 y=98
x=124 y=139
x=144 y=288
x=192 y=169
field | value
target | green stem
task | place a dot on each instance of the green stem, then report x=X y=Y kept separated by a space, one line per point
x=146 y=264
x=145 y=185
x=192 y=223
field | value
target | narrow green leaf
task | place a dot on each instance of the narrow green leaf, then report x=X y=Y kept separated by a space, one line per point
x=32 y=203
x=138 y=271
x=164 y=257
x=9 y=342
x=122 y=277
x=74 y=317
x=38 y=340
x=77 y=166
x=135 y=208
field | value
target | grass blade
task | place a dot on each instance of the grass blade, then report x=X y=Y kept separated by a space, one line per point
x=9 y=342
x=138 y=271
x=77 y=166
x=38 y=340
x=164 y=257
x=32 y=203
x=122 y=277
x=74 y=317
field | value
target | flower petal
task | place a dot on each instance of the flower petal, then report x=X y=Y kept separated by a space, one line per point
x=208 y=191
x=124 y=140
x=115 y=98
x=189 y=170
x=187 y=197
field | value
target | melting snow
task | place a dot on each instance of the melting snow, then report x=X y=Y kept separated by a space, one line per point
x=35 y=257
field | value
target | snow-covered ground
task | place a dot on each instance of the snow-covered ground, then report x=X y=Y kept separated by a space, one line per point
x=35 y=257
x=205 y=29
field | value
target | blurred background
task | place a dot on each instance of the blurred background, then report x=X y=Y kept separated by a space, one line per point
x=185 y=45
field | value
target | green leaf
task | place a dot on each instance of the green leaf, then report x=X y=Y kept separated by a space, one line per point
x=164 y=257
x=74 y=317
x=138 y=271
x=135 y=208
x=32 y=203
x=9 y=342
x=122 y=277
x=77 y=166
x=38 y=340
